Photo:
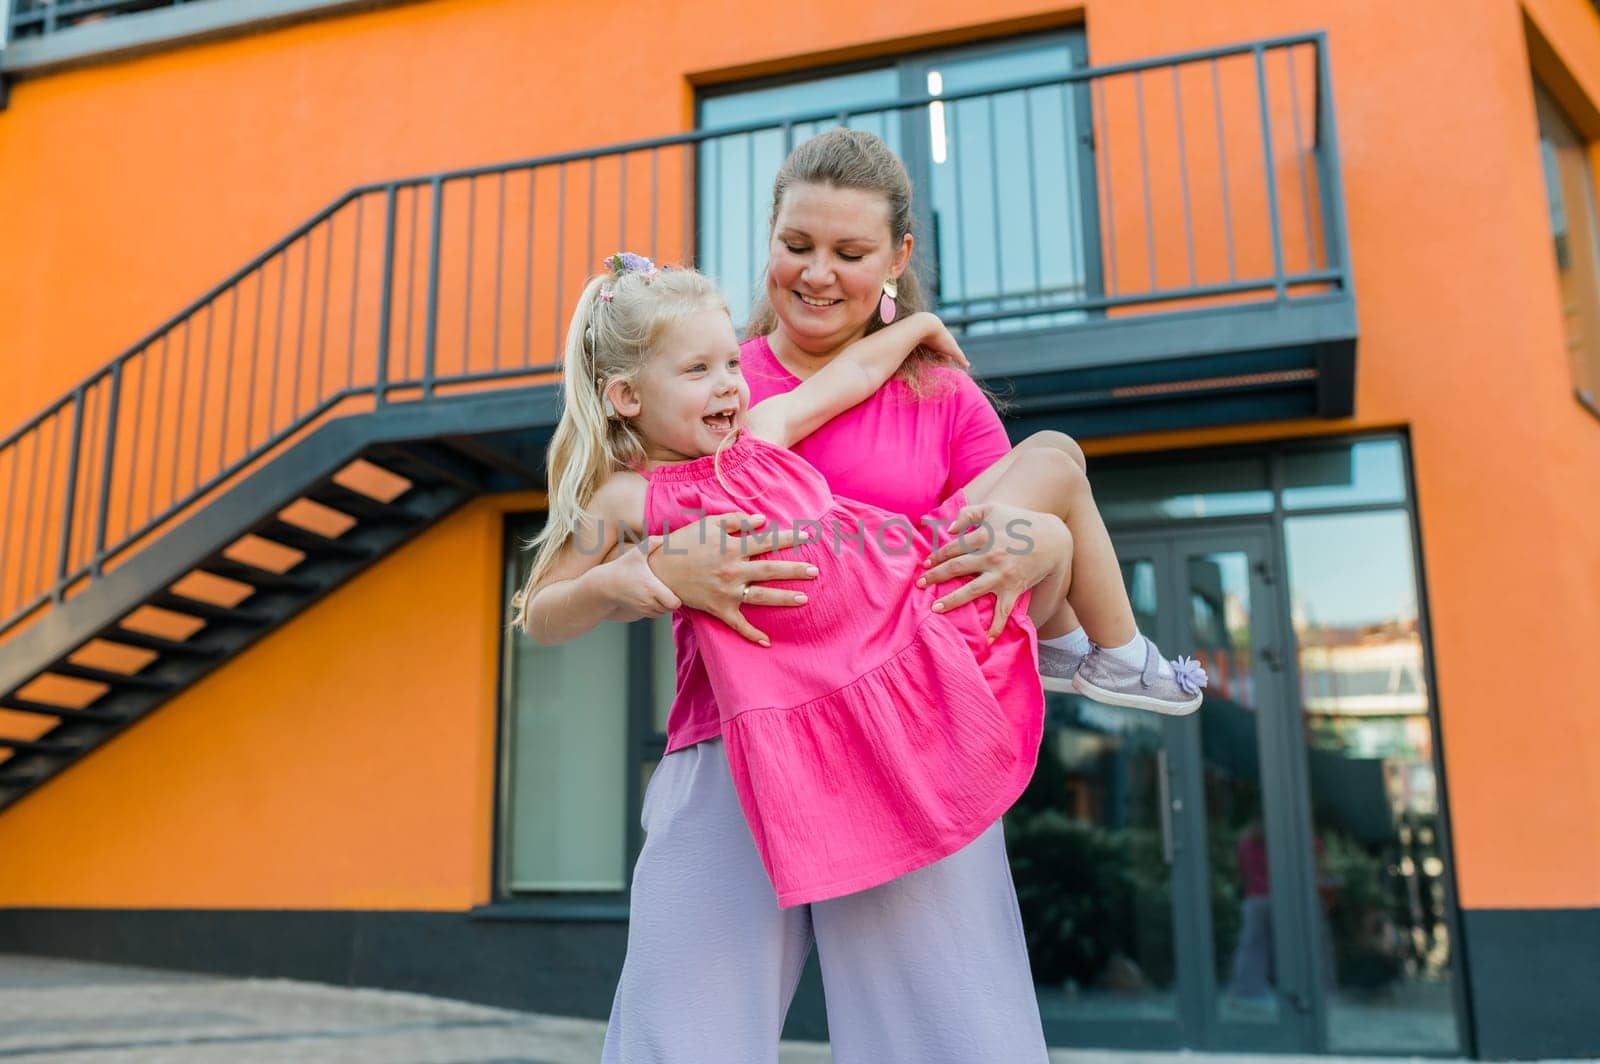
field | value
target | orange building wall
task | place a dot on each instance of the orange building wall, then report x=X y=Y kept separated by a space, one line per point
x=345 y=761
x=149 y=180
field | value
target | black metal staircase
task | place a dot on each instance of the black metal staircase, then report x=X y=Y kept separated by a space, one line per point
x=330 y=474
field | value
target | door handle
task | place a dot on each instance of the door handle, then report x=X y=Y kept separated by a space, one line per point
x=1164 y=787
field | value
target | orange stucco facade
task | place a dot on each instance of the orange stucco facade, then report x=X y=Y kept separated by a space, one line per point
x=348 y=759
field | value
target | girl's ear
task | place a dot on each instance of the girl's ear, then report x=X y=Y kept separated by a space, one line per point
x=624 y=397
x=902 y=257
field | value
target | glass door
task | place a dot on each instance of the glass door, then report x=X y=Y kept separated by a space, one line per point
x=1240 y=802
x=1159 y=860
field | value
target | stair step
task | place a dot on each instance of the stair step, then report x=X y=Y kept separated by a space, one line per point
x=17 y=776
x=419 y=462
x=174 y=647
x=114 y=679
x=45 y=709
x=309 y=543
x=210 y=611
x=362 y=507
x=262 y=579
x=37 y=746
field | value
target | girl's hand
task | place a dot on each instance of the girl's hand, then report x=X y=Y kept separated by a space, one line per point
x=938 y=339
x=1011 y=550
x=708 y=565
x=634 y=587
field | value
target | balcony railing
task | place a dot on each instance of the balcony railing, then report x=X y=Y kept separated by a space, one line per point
x=1201 y=180
x=36 y=18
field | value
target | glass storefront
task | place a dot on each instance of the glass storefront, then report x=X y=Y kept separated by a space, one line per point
x=1270 y=874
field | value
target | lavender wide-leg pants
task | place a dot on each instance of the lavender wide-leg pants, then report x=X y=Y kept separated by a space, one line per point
x=930 y=968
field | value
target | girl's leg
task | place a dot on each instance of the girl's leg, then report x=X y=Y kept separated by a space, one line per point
x=712 y=961
x=932 y=967
x=1045 y=472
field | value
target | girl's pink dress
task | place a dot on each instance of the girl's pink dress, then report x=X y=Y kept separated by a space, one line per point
x=874 y=736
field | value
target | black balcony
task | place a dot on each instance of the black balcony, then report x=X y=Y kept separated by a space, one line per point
x=1150 y=245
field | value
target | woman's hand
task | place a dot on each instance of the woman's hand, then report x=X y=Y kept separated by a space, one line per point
x=1009 y=548
x=708 y=565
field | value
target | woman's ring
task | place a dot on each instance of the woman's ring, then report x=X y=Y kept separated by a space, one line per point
x=744 y=593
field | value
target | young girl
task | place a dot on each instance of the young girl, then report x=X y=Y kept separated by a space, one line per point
x=872 y=736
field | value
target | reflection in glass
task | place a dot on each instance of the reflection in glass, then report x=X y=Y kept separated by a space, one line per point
x=565 y=800
x=1375 y=801
x=1216 y=487
x=1006 y=190
x=736 y=171
x=1372 y=471
x=1249 y=953
x=1246 y=963
x=1088 y=858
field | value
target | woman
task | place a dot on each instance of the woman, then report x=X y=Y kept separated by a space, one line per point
x=931 y=966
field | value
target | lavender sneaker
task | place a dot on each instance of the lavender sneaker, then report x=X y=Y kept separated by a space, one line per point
x=1171 y=688
x=1057 y=667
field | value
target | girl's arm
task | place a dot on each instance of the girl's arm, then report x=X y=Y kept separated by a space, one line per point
x=582 y=588
x=857 y=372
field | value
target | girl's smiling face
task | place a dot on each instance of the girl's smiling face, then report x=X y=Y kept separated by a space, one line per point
x=690 y=394
x=830 y=252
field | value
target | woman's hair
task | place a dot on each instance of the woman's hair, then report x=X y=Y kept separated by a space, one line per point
x=620 y=319
x=854 y=158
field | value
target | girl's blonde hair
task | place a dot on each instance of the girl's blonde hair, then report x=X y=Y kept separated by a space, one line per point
x=619 y=321
x=854 y=158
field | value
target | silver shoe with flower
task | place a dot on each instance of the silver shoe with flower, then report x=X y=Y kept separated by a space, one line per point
x=1171 y=687
x=1057 y=667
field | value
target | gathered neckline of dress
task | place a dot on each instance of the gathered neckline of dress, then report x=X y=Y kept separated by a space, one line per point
x=734 y=455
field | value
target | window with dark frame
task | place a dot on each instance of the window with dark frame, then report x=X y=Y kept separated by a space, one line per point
x=1575 y=231
x=582 y=729
x=1007 y=246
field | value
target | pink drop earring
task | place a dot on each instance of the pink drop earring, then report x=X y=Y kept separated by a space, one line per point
x=886 y=307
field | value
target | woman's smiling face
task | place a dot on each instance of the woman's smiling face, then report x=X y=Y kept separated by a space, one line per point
x=830 y=252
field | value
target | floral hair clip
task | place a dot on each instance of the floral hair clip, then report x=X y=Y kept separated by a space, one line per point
x=627 y=262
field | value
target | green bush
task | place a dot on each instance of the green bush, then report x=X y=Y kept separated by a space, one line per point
x=1086 y=897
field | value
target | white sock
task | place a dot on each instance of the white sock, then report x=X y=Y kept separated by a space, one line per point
x=1074 y=642
x=1132 y=654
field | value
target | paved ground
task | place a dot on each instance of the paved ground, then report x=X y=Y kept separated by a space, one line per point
x=59 y=1011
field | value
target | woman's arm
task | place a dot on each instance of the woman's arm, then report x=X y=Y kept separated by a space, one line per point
x=848 y=379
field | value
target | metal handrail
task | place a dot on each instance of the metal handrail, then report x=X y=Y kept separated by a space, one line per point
x=407 y=328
